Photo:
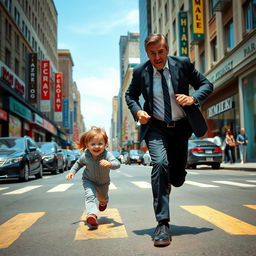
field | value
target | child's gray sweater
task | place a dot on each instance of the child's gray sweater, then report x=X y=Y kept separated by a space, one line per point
x=93 y=171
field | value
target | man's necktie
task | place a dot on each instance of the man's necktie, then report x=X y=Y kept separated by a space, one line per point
x=167 y=101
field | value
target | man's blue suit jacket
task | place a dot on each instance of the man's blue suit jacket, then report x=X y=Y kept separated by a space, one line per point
x=183 y=74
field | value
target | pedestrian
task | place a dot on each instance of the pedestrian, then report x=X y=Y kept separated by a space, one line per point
x=97 y=162
x=168 y=118
x=242 y=141
x=230 y=146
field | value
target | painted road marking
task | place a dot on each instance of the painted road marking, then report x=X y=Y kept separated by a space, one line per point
x=110 y=226
x=225 y=222
x=234 y=183
x=202 y=185
x=252 y=181
x=250 y=206
x=142 y=184
x=3 y=188
x=127 y=175
x=112 y=186
x=22 y=190
x=60 y=188
x=12 y=229
x=194 y=173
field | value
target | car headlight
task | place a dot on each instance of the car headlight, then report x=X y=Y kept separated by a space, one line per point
x=48 y=157
x=13 y=160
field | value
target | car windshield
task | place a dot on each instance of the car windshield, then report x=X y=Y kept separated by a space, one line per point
x=47 y=147
x=16 y=144
x=135 y=152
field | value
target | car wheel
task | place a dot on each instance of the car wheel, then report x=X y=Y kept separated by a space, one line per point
x=216 y=166
x=39 y=175
x=26 y=173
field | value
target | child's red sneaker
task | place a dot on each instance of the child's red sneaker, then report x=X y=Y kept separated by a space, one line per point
x=92 y=220
x=102 y=207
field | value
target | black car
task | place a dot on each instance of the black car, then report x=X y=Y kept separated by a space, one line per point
x=135 y=156
x=203 y=152
x=20 y=157
x=53 y=160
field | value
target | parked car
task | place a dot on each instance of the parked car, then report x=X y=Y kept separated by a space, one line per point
x=203 y=152
x=135 y=156
x=20 y=157
x=53 y=160
x=147 y=158
x=67 y=159
x=72 y=156
x=117 y=155
x=77 y=153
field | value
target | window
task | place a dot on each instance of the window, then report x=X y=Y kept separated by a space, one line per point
x=8 y=5
x=174 y=30
x=229 y=32
x=202 y=62
x=17 y=43
x=166 y=11
x=214 y=50
x=7 y=57
x=211 y=12
x=17 y=17
x=8 y=31
x=249 y=10
x=16 y=67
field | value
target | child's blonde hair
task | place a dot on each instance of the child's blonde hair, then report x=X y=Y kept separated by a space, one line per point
x=85 y=137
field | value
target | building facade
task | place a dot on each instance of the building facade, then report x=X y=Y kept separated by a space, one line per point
x=220 y=39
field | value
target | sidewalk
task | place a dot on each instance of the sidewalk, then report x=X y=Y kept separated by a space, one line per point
x=238 y=166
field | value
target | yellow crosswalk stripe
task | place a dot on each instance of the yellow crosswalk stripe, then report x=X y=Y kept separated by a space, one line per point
x=250 y=206
x=110 y=226
x=225 y=222
x=12 y=229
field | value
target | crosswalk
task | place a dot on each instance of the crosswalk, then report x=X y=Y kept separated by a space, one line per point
x=4 y=190
x=111 y=225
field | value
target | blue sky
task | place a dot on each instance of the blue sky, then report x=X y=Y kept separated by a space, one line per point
x=91 y=31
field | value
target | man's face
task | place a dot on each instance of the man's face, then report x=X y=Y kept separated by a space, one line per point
x=157 y=54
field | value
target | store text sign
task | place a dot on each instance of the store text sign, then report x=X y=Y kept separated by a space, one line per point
x=45 y=86
x=220 y=107
x=32 y=78
x=45 y=80
x=11 y=79
x=58 y=97
x=197 y=20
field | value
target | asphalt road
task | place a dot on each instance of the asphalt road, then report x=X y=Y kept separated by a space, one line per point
x=214 y=213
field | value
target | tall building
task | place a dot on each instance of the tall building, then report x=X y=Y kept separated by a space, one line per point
x=113 y=145
x=219 y=37
x=129 y=56
x=28 y=36
x=145 y=26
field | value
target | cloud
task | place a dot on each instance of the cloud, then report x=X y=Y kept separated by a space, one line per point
x=96 y=97
x=131 y=19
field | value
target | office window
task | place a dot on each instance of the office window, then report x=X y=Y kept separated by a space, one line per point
x=229 y=35
x=174 y=30
x=7 y=57
x=16 y=67
x=202 y=62
x=249 y=10
x=8 y=5
x=17 y=17
x=214 y=50
x=17 y=43
x=211 y=12
x=8 y=31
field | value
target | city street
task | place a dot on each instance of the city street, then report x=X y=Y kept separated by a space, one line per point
x=214 y=213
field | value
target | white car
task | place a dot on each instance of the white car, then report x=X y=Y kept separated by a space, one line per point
x=147 y=158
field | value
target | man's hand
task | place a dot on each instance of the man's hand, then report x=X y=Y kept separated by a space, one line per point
x=105 y=163
x=184 y=100
x=143 y=116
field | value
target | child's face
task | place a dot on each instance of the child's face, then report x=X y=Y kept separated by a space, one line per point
x=96 y=146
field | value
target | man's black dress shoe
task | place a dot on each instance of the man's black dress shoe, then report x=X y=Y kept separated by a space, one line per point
x=162 y=235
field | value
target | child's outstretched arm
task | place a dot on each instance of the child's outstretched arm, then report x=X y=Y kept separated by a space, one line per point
x=115 y=164
x=70 y=176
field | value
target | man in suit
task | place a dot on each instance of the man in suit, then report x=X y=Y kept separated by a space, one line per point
x=168 y=118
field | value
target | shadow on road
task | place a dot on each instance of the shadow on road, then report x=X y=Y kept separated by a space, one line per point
x=176 y=231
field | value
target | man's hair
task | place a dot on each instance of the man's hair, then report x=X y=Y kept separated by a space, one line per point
x=85 y=137
x=154 y=38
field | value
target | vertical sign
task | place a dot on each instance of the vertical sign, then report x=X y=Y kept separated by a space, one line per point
x=58 y=97
x=32 y=78
x=183 y=33
x=197 y=19
x=45 y=86
x=65 y=122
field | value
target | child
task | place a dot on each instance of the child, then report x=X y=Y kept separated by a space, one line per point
x=98 y=162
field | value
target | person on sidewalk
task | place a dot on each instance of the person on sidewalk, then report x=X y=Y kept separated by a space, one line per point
x=230 y=146
x=97 y=162
x=242 y=141
x=168 y=118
